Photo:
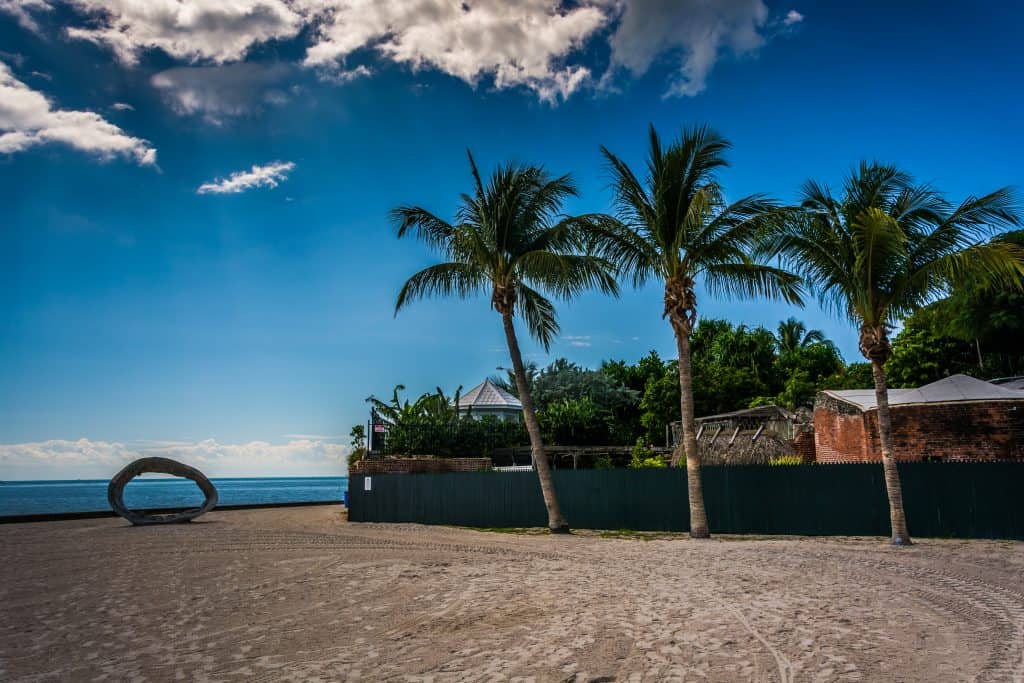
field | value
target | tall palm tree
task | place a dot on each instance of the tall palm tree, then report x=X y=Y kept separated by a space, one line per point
x=510 y=240
x=676 y=225
x=886 y=248
x=793 y=334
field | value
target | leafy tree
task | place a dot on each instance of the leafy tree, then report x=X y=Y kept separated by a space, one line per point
x=924 y=352
x=627 y=422
x=732 y=365
x=991 y=318
x=659 y=406
x=882 y=251
x=676 y=225
x=575 y=422
x=563 y=380
x=508 y=380
x=793 y=334
x=805 y=369
x=511 y=241
x=853 y=376
x=358 y=435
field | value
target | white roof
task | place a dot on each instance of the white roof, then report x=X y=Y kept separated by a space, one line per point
x=953 y=389
x=489 y=395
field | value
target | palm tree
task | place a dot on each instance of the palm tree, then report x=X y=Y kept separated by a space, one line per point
x=883 y=250
x=676 y=225
x=510 y=240
x=508 y=382
x=793 y=334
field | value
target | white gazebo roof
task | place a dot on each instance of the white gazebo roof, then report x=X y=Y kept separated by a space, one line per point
x=953 y=389
x=489 y=395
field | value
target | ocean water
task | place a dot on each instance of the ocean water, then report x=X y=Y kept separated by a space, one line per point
x=90 y=495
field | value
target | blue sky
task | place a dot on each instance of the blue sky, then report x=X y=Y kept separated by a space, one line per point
x=243 y=325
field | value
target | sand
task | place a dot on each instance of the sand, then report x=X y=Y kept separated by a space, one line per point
x=299 y=594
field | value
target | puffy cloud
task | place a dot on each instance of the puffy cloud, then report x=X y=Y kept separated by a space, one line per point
x=28 y=119
x=258 y=176
x=536 y=44
x=219 y=92
x=521 y=43
x=696 y=30
x=60 y=459
x=213 y=30
x=22 y=11
x=517 y=44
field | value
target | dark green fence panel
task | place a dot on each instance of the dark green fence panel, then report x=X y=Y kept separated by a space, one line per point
x=967 y=500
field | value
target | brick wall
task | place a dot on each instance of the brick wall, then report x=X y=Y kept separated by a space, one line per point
x=419 y=465
x=979 y=430
x=803 y=446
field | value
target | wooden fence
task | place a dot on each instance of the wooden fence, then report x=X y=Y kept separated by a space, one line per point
x=966 y=500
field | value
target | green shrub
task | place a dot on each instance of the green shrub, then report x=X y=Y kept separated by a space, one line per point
x=355 y=456
x=645 y=458
x=784 y=460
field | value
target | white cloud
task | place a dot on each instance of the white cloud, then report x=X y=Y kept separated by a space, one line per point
x=215 y=30
x=342 y=76
x=122 y=106
x=83 y=459
x=524 y=43
x=220 y=92
x=258 y=176
x=317 y=437
x=535 y=44
x=577 y=340
x=28 y=119
x=517 y=44
x=22 y=11
x=695 y=32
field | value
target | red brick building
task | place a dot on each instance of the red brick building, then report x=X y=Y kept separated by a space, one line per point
x=957 y=418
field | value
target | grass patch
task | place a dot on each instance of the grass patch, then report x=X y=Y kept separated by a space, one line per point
x=523 y=531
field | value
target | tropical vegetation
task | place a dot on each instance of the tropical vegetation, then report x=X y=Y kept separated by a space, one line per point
x=883 y=250
x=511 y=241
x=675 y=224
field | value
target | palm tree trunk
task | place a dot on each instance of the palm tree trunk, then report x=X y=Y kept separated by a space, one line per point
x=556 y=522
x=897 y=518
x=698 y=516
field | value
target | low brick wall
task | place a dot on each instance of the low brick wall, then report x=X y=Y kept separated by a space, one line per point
x=419 y=465
x=977 y=430
x=803 y=446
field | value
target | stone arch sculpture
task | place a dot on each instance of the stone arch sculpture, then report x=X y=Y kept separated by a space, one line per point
x=115 y=491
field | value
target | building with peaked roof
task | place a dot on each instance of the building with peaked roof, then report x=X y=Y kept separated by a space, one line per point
x=488 y=398
x=956 y=418
x=1016 y=383
x=752 y=436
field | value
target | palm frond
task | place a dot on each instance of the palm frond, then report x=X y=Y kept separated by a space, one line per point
x=443 y=279
x=625 y=249
x=424 y=225
x=891 y=246
x=747 y=279
x=539 y=315
x=566 y=275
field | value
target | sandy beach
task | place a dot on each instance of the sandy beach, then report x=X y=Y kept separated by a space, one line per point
x=302 y=595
